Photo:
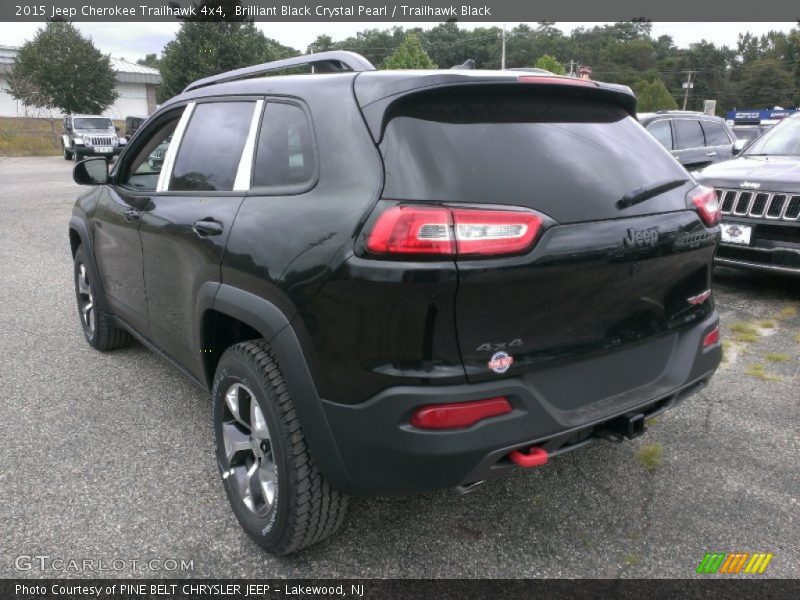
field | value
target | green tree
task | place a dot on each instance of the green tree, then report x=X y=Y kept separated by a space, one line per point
x=201 y=49
x=766 y=83
x=150 y=60
x=61 y=69
x=549 y=63
x=653 y=95
x=409 y=55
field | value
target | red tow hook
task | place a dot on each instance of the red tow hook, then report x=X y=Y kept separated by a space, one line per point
x=533 y=457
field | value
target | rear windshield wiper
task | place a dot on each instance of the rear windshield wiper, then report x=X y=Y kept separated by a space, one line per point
x=646 y=192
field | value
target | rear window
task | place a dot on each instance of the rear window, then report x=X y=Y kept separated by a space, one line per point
x=715 y=134
x=689 y=134
x=569 y=157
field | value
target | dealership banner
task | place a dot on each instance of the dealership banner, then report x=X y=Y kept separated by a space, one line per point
x=401 y=11
x=368 y=589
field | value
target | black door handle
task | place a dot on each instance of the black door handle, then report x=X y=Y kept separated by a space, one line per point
x=132 y=215
x=205 y=227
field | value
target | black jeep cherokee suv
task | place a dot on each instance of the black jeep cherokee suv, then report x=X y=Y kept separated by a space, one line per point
x=396 y=282
x=759 y=193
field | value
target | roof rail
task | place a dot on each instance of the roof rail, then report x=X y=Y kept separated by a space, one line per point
x=323 y=62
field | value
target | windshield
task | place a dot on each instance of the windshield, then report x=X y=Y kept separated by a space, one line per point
x=781 y=140
x=98 y=123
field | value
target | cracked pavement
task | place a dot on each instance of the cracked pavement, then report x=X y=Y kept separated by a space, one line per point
x=110 y=455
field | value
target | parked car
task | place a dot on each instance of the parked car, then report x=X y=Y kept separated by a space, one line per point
x=760 y=196
x=90 y=135
x=394 y=283
x=156 y=158
x=695 y=139
x=749 y=132
x=132 y=124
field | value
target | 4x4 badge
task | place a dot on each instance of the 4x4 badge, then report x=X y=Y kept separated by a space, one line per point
x=500 y=362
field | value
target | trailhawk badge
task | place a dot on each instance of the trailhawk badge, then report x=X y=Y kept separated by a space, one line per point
x=501 y=362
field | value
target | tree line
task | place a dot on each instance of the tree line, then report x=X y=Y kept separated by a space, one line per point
x=759 y=72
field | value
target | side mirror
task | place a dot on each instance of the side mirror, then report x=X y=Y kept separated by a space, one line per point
x=92 y=171
x=738 y=146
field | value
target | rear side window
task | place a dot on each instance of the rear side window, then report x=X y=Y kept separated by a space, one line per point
x=212 y=147
x=662 y=131
x=568 y=156
x=285 y=153
x=715 y=134
x=689 y=134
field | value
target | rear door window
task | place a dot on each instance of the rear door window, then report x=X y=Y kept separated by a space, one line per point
x=662 y=131
x=209 y=155
x=715 y=134
x=568 y=156
x=285 y=155
x=689 y=134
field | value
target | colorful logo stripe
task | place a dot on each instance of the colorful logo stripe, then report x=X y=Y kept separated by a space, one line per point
x=734 y=562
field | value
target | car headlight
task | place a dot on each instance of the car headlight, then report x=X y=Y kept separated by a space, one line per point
x=78 y=141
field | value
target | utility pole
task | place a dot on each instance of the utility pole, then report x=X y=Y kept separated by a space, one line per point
x=503 y=55
x=687 y=85
x=572 y=65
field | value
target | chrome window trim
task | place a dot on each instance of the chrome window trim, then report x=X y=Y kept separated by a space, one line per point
x=244 y=173
x=169 y=159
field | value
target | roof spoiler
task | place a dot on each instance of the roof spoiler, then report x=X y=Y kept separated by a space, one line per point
x=335 y=61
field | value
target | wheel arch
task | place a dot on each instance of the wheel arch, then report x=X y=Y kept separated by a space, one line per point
x=79 y=236
x=250 y=316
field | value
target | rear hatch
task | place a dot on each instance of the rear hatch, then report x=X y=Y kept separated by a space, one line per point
x=601 y=277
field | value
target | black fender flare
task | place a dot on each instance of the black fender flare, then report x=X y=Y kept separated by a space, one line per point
x=79 y=226
x=276 y=328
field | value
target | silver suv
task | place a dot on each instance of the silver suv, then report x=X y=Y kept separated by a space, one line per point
x=90 y=135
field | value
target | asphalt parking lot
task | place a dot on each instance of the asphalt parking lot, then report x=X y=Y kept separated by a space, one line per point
x=109 y=456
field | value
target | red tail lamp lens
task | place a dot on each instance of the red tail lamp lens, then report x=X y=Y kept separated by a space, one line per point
x=712 y=337
x=707 y=204
x=437 y=230
x=459 y=414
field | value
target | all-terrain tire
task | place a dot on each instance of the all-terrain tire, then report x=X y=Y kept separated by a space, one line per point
x=97 y=327
x=67 y=153
x=305 y=509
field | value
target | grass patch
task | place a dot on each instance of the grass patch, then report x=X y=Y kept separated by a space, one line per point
x=767 y=324
x=788 y=312
x=650 y=455
x=741 y=327
x=776 y=357
x=631 y=560
x=757 y=370
x=29 y=137
x=745 y=338
x=651 y=421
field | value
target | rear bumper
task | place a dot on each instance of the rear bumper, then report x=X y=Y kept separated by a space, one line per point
x=384 y=454
x=784 y=260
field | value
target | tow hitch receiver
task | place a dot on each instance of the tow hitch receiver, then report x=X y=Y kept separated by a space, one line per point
x=629 y=427
x=532 y=457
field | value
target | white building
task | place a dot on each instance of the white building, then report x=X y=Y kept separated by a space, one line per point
x=136 y=90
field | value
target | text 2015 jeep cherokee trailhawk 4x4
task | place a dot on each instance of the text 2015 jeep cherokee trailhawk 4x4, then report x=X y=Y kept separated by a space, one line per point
x=395 y=282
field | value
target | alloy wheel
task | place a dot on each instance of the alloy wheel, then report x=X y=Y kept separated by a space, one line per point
x=86 y=304
x=249 y=459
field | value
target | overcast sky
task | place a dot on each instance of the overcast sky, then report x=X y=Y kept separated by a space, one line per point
x=133 y=40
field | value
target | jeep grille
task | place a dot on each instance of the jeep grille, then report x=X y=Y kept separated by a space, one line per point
x=767 y=205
